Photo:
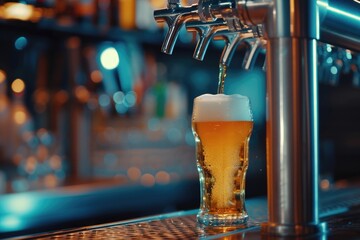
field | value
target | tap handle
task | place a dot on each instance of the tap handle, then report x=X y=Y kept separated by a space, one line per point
x=232 y=40
x=256 y=46
x=206 y=32
x=175 y=16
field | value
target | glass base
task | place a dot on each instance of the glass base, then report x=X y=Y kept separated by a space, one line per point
x=222 y=220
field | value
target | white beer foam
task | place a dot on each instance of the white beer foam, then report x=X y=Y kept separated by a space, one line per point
x=221 y=107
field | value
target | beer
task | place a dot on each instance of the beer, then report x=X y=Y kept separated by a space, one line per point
x=222 y=126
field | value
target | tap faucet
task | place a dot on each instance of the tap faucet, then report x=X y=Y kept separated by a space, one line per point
x=256 y=46
x=219 y=30
x=232 y=41
x=175 y=16
x=207 y=11
x=206 y=32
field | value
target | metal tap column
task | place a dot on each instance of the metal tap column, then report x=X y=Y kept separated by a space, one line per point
x=340 y=23
x=292 y=124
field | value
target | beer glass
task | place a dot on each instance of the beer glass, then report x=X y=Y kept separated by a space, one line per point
x=222 y=125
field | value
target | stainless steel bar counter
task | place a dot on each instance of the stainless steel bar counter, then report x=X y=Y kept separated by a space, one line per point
x=339 y=208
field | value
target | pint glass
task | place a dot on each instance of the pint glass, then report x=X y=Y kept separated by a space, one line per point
x=222 y=125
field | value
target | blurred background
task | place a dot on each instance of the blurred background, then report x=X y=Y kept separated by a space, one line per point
x=95 y=120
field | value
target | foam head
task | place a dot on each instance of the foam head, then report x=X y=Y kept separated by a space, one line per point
x=220 y=107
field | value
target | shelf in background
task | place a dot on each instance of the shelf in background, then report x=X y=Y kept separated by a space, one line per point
x=88 y=32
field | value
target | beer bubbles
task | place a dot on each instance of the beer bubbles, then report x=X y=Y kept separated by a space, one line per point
x=222 y=125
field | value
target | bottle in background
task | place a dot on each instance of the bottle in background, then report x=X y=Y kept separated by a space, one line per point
x=127 y=11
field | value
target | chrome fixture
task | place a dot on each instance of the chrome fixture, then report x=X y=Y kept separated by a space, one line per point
x=291 y=30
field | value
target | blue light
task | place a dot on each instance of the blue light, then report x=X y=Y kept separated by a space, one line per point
x=118 y=97
x=348 y=55
x=10 y=223
x=357 y=18
x=104 y=100
x=20 y=43
x=315 y=119
x=20 y=204
x=130 y=99
x=334 y=70
x=121 y=108
x=329 y=60
x=328 y=48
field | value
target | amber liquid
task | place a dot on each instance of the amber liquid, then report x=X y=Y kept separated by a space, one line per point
x=222 y=150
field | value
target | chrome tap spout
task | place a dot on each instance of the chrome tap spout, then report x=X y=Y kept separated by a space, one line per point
x=206 y=32
x=219 y=30
x=256 y=46
x=175 y=16
x=232 y=41
x=206 y=11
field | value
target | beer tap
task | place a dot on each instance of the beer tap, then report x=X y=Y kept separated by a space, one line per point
x=218 y=30
x=256 y=46
x=232 y=40
x=175 y=16
x=206 y=11
x=293 y=29
x=206 y=32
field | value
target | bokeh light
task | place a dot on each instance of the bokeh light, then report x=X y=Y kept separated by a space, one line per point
x=18 y=85
x=104 y=100
x=18 y=11
x=82 y=94
x=147 y=180
x=20 y=204
x=96 y=76
x=162 y=177
x=10 y=222
x=20 y=117
x=130 y=99
x=134 y=173
x=109 y=58
x=2 y=76
x=118 y=97
x=20 y=43
x=121 y=108
x=334 y=70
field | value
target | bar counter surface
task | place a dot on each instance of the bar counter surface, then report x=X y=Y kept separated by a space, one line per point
x=339 y=208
